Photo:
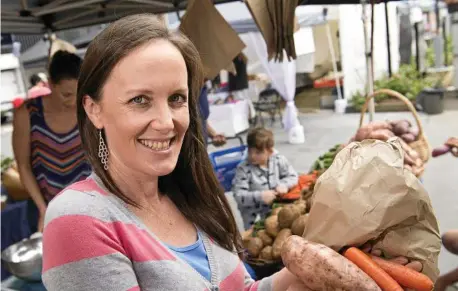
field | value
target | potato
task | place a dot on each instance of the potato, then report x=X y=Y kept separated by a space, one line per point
x=298 y=226
x=301 y=205
x=266 y=253
x=266 y=239
x=276 y=210
x=278 y=243
x=254 y=246
x=271 y=225
x=287 y=215
x=321 y=268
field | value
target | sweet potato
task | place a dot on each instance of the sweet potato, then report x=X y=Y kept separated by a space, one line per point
x=299 y=225
x=287 y=216
x=414 y=131
x=321 y=268
x=442 y=150
x=408 y=167
x=279 y=241
x=381 y=134
x=376 y=125
x=408 y=137
x=401 y=126
x=417 y=171
x=254 y=246
x=271 y=225
x=266 y=239
x=363 y=133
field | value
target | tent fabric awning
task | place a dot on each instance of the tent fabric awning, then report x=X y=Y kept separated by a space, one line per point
x=41 y=16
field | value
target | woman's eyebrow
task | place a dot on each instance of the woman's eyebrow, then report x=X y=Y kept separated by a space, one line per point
x=139 y=91
x=182 y=90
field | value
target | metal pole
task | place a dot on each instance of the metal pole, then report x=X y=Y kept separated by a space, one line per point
x=444 y=36
x=388 y=45
x=417 y=46
x=438 y=19
x=334 y=61
x=370 y=82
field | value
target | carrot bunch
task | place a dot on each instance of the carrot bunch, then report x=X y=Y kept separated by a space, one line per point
x=305 y=181
x=389 y=276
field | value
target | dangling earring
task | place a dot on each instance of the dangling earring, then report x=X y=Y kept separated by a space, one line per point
x=103 y=151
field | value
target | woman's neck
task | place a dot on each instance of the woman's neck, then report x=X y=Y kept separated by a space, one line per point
x=142 y=189
x=53 y=103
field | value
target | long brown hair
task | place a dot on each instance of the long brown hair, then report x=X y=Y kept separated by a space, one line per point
x=192 y=185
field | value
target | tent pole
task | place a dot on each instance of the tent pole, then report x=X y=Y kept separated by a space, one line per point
x=388 y=45
x=369 y=81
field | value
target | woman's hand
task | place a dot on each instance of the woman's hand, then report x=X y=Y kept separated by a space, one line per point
x=414 y=265
x=41 y=219
x=219 y=140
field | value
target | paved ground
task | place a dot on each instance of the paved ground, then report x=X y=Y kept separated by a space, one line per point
x=325 y=129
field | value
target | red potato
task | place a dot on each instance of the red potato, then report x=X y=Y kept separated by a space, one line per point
x=321 y=268
x=381 y=134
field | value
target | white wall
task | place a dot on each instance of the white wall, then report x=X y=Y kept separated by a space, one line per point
x=352 y=45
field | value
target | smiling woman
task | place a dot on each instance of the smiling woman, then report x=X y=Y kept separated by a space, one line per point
x=152 y=216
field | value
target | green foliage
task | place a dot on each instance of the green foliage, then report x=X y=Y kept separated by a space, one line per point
x=431 y=56
x=407 y=81
x=6 y=163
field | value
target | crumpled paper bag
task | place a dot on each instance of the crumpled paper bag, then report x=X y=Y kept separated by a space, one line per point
x=366 y=195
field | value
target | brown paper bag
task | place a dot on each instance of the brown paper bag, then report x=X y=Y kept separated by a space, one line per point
x=218 y=44
x=367 y=195
x=260 y=13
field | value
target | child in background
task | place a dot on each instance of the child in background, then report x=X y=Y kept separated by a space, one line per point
x=262 y=177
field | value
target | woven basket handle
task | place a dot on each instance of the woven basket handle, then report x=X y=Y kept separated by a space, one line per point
x=395 y=95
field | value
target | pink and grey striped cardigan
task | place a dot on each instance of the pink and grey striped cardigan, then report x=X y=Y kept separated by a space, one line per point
x=93 y=242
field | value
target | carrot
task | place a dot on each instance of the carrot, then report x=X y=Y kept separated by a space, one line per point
x=405 y=276
x=364 y=262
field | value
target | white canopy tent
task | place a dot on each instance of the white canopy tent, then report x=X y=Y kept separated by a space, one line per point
x=282 y=75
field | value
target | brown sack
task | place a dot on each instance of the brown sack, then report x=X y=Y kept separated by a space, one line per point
x=367 y=195
x=218 y=44
x=263 y=19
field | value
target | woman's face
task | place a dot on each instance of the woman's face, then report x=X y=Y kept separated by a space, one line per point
x=144 y=110
x=65 y=91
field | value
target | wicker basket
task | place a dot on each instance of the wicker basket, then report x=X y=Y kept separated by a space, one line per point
x=421 y=145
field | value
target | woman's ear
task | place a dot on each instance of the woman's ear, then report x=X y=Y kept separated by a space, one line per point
x=93 y=111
